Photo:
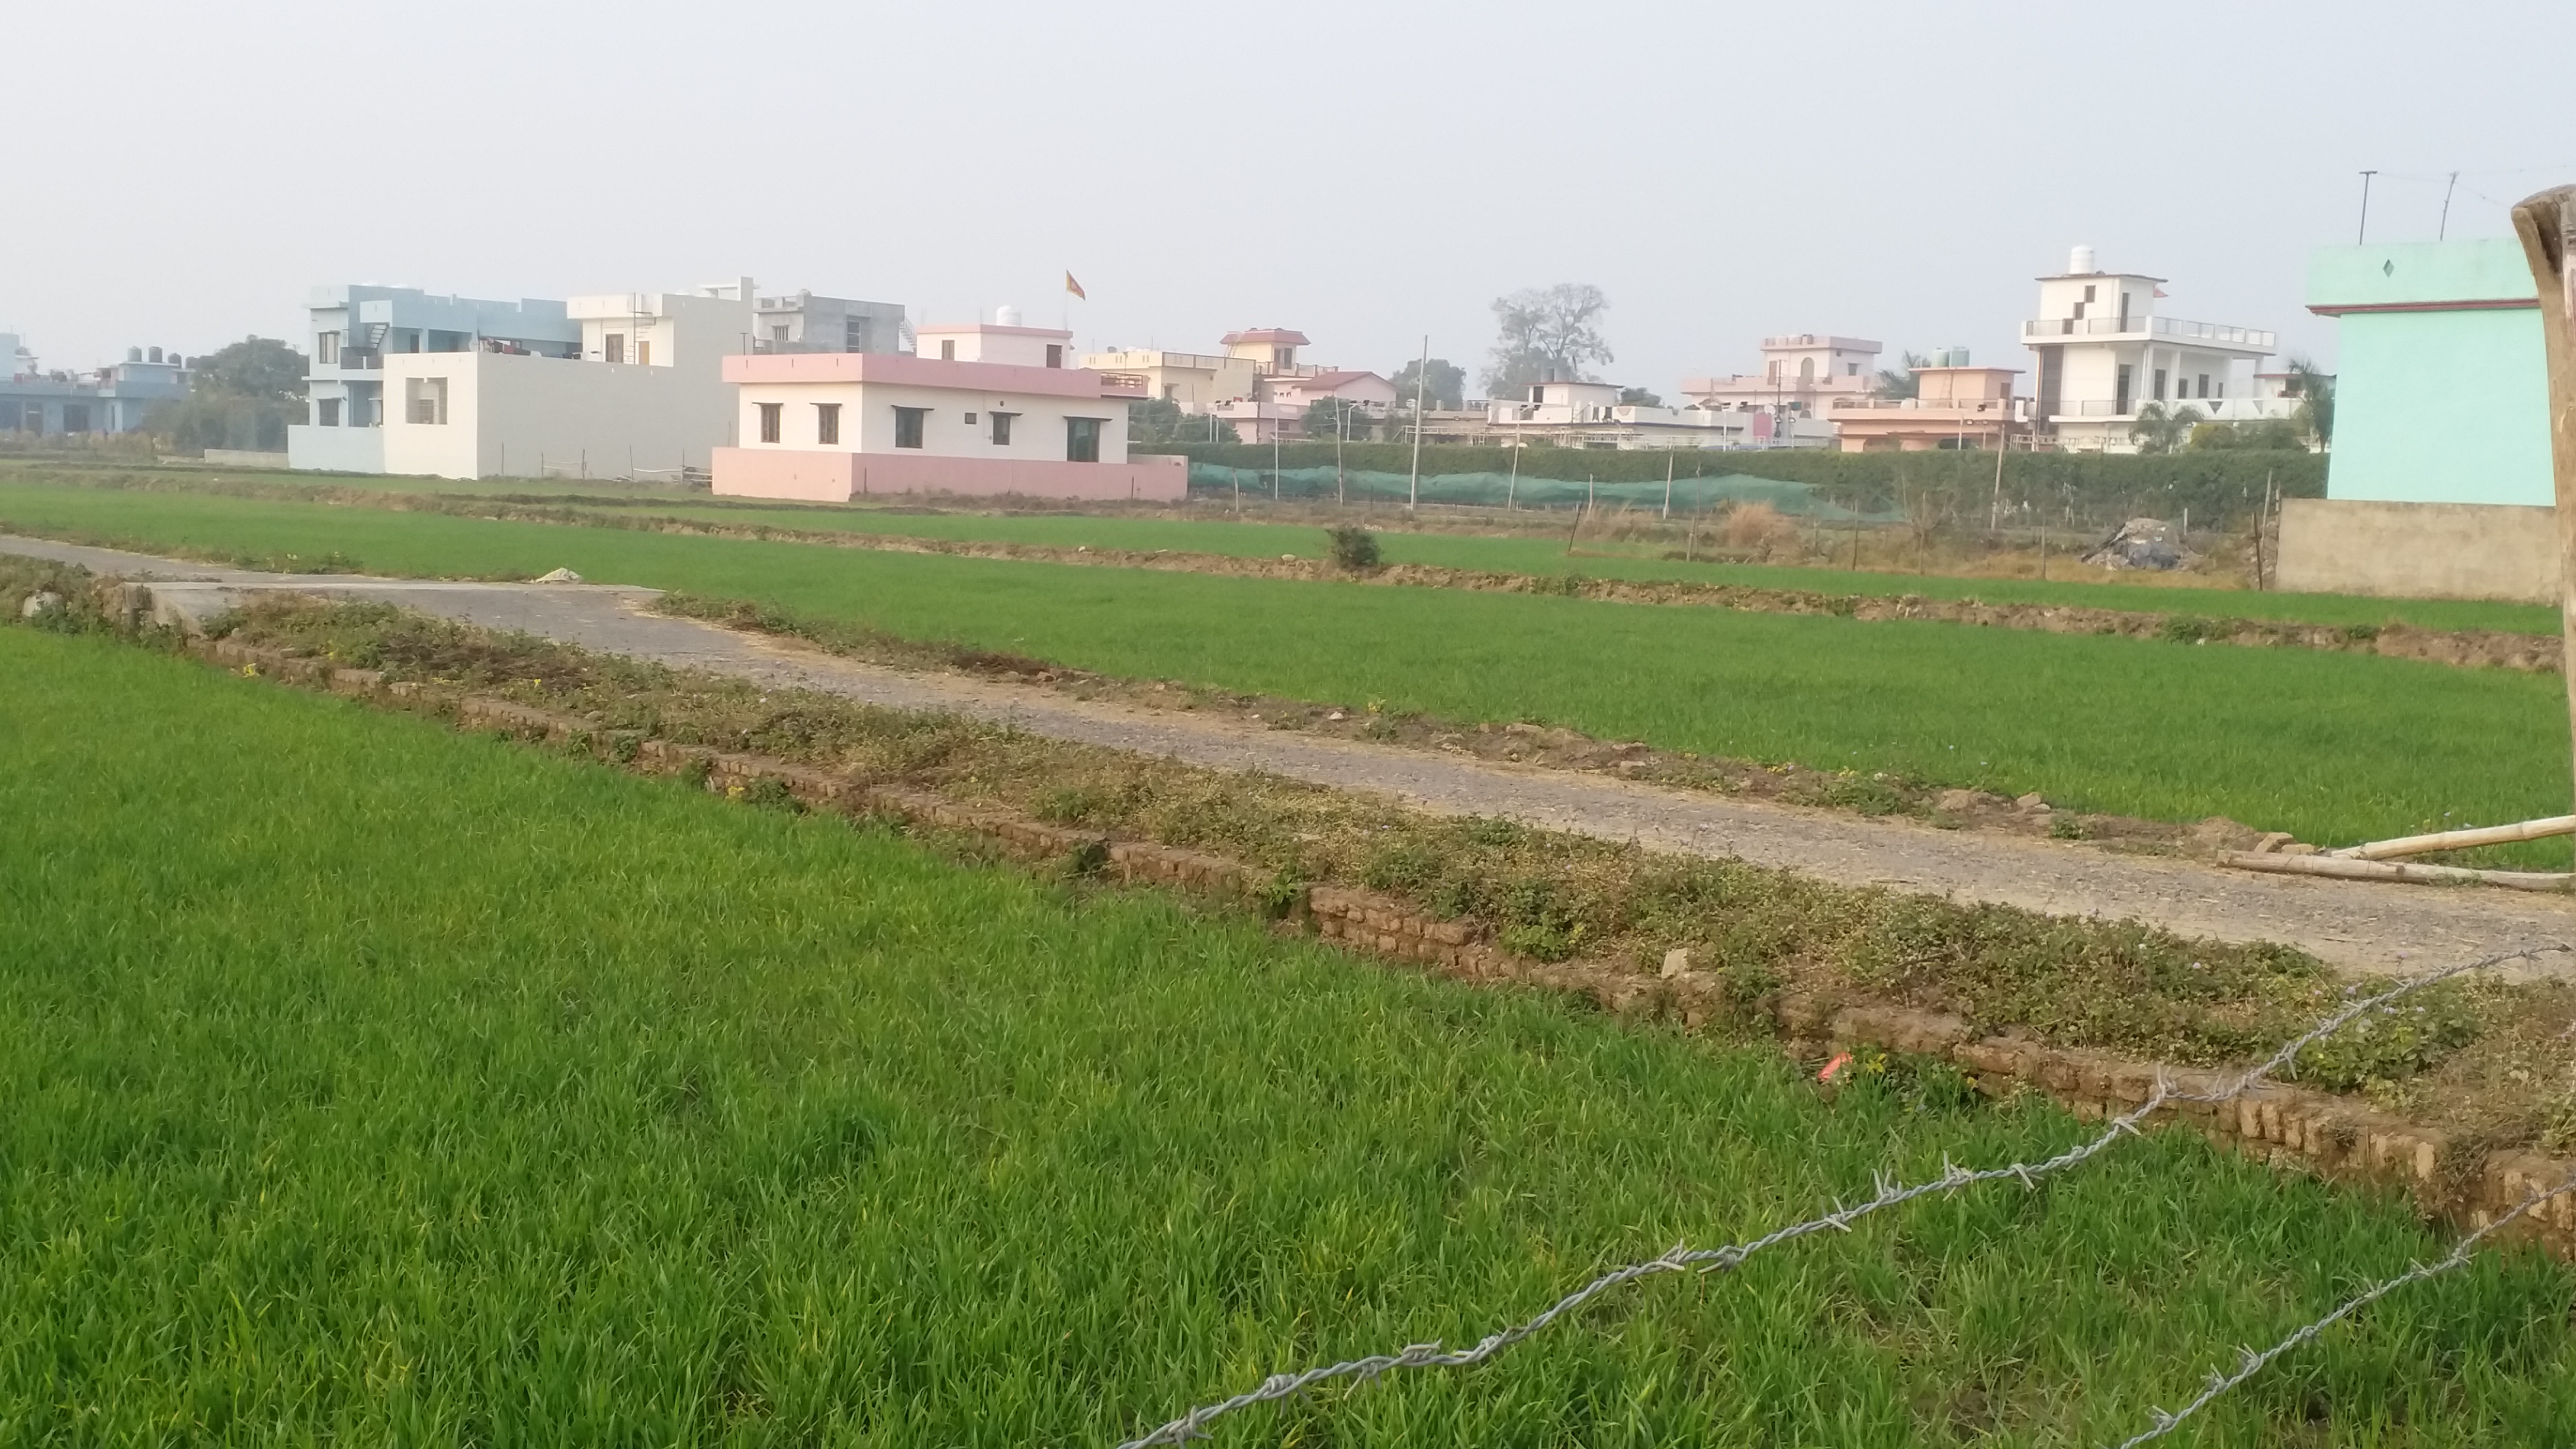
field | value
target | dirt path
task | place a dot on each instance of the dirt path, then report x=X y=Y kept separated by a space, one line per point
x=2355 y=925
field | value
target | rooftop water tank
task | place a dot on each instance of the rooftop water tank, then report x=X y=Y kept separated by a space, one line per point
x=2080 y=261
x=1006 y=316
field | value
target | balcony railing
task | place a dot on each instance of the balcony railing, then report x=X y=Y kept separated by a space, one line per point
x=2174 y=327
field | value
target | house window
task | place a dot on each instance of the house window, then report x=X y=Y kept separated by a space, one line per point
x=643 y=352
x=425 y=400
x=1002 y=429
x=615 y=346
x=778 y=333
x=326 y=348
x=2160 y=384
x=970 y=420
x=948 y=349
x=1082 y=440
x=827 y=422
x=854 y=334
x=326 y=411
x=907 y=426
x=2204 y=384
x=769 y=420
x=1055 y=354
x=2120 y=392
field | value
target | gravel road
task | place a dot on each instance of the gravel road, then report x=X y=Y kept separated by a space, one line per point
x=2359 y=926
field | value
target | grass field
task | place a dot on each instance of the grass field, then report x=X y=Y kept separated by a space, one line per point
x=2333 y=747
x=377 y=1084
x=1545 y=555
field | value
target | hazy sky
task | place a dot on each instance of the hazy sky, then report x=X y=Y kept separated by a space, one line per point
x=1366 y=173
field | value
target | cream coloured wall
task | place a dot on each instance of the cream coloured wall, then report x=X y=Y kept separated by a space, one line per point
x=1038 y=433
x=515 y=415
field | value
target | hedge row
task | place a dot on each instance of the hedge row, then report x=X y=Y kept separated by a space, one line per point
x=2213 y=485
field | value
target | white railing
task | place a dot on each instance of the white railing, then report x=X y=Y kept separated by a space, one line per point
x=2174 y=327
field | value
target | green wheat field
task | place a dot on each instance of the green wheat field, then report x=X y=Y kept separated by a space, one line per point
x=370 y=1083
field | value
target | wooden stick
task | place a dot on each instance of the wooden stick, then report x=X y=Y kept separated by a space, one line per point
x=2343 y=869
x=2459 y=839
x=2547 y=225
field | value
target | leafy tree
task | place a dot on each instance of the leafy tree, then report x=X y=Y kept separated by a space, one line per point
x=1899 y=381
x=1445 y=387
x=1544 y=335
x=2159 y=431
x=243 y=396
x=1160 y=420
x=256 y=367
x=2278 y=434
x=1327 y=417
x=1639 y=397
x=2316 y=390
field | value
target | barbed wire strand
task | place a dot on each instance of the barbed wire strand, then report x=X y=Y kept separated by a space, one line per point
x=1682 y=1258
x=2249 y=1363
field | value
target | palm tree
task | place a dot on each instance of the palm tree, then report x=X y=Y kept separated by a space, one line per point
x=1900 y=381
x=2316 y=393
x=2158 y=431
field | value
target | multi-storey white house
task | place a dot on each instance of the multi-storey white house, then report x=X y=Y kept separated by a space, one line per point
x=610 y=385
x=354 y=329
x=1803 y=374
x=2105 y=352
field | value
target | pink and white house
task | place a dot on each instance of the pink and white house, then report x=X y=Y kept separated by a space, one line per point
x=981 y=410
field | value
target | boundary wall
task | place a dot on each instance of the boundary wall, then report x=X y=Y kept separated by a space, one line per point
x=2505 y=551
x=818 y=475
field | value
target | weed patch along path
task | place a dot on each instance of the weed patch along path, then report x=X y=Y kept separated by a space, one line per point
x=2356 y=926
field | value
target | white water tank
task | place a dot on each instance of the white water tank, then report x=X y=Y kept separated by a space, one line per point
x=1006 y=316
x=2079 y=262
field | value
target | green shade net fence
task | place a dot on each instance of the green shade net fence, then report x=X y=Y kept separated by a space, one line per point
x=1704 y=494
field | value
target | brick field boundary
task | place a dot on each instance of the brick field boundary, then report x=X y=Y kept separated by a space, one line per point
x=2449 y=1177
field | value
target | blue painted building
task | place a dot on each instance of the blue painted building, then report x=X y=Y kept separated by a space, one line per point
x=113 y=399
x=2441 y=391
x=354 y=328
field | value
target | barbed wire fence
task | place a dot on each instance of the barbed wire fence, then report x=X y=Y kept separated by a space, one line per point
x=1891 y=1193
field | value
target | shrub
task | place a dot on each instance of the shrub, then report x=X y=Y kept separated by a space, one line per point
x=1351 y=548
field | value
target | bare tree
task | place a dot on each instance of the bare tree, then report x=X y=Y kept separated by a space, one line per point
x=1546 y=334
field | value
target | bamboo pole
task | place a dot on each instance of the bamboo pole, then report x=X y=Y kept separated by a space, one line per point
x=2389 y=870
x=2547 y=225
x=2460 y=839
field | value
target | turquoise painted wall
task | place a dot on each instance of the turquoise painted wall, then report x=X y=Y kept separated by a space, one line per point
x=2435 y=404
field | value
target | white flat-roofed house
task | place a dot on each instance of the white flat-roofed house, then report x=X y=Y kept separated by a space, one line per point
x=1804 y=374
x=982 y=410
x=1590 y=415
x=2105 y=352
x=612 y=385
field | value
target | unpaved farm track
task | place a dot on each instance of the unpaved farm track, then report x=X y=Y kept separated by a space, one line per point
x=2357 y=926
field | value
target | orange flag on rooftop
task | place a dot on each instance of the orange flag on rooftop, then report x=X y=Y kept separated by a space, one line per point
x=1075 y=287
